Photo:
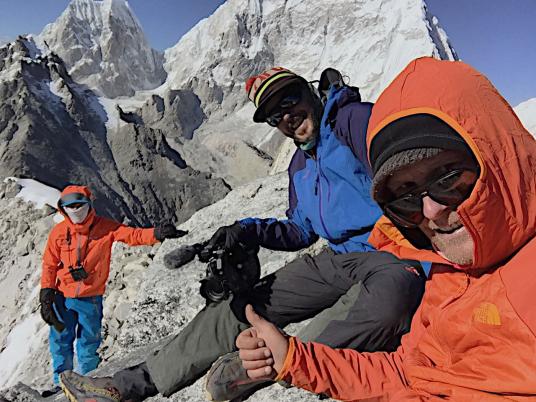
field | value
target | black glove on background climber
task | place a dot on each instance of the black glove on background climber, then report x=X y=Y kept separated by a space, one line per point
x=46 y=298
x=167 y=231
x=227 y=237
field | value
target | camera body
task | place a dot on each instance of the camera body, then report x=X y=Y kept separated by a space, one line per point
x=78 y=273
x=228 y=272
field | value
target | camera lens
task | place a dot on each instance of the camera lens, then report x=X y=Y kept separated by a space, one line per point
x=213 y=289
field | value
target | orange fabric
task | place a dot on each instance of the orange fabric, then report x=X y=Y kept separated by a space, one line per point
x=98 y=234
x=474 y=336
x=386 y=237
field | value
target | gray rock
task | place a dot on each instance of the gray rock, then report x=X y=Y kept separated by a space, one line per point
x=61 y=138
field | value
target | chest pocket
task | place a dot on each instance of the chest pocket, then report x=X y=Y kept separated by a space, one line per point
x=66 y=250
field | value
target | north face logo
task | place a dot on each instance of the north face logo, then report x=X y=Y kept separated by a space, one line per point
x=487 y=313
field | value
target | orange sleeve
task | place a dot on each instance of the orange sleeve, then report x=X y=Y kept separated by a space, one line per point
x=51 y=262
x=346 y=374
x=134 y=236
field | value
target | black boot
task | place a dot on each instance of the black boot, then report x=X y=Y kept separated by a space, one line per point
x=52 y=391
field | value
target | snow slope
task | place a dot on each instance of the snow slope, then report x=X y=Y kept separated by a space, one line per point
x=369 y=41
x=526 y=111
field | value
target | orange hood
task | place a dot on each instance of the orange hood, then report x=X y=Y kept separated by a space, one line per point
x=84 y=226
x=500 y=213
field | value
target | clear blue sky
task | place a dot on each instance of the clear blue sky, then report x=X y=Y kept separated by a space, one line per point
x=495 y=36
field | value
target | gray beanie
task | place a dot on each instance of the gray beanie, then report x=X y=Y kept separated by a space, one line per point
x=396 y=162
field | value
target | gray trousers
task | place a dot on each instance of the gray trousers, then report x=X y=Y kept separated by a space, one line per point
x=363 y=301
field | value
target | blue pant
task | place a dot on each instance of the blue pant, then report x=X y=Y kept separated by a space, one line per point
x=82 y=318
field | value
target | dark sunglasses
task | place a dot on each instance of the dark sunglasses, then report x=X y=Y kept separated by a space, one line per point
x=276 y=114
x=450 y=190
x=75 y=205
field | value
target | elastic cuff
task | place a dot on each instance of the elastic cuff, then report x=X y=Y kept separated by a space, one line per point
x=288 y=360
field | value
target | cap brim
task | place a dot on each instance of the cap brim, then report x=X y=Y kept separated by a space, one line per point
x=260 y=114
x=73 y=198
x=66 y=204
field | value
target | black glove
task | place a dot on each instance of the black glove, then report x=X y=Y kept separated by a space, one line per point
x=168 y=231
x=46 y=298
x=226 y=237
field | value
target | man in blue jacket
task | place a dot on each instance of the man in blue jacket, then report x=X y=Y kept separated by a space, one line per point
x=360 y=298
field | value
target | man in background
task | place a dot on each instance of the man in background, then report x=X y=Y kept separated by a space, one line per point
x=76 y=265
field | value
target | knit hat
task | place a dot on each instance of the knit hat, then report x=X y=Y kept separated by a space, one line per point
x=261 y=88
x=406 y=141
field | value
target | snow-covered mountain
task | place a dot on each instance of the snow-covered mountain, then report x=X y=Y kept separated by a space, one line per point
x=104 y=47
x=526 y=111
x=370 y=41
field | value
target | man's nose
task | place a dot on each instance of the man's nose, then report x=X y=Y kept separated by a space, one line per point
x=284 y=125
x=286 y=117
x=431 y=209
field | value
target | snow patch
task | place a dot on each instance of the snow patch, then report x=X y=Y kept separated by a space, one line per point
x=36 y=192
x=24 y=339
x=526 y=111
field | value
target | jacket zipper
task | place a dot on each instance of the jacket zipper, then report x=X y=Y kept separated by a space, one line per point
x=318 y=168
x=78 y=248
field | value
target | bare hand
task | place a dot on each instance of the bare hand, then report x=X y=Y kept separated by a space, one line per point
x=263 y=347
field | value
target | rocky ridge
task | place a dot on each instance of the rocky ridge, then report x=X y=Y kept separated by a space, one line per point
x=145 y=302
x=53 y=129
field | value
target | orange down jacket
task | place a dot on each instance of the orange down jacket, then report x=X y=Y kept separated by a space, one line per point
x=94 y=237
x=474 y=336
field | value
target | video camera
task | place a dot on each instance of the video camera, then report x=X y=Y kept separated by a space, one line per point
x=228 y=272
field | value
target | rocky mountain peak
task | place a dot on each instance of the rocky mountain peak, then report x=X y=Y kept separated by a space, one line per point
x=104 y=47
x=369 y=41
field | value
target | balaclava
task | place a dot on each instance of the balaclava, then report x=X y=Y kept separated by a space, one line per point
x=79 y=214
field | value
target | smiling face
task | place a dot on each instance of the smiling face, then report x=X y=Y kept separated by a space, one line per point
x=441 y=224
x=300 y=121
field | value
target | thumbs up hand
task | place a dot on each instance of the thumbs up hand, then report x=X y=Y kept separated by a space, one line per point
x=262 y=348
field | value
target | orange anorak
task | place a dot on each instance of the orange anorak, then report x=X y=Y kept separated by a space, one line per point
x=94 y=237
x=474 y=336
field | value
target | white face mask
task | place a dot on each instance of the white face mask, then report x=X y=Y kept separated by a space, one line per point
x=77 y=215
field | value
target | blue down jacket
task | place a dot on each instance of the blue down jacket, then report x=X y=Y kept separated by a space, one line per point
x=329 y=196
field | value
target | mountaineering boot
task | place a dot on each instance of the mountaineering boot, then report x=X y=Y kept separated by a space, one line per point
x=52 y=391
x=78 y=388
x=227 y=380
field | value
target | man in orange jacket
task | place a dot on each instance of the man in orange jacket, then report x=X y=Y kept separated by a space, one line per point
x=76 y=265
x=455 y=171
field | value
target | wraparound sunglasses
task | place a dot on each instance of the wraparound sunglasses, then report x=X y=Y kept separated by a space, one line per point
x=450 y=189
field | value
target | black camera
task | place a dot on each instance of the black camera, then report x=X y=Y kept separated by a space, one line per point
x=78 y=273
x=233 y=271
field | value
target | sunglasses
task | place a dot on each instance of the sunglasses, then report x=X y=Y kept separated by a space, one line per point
x=450 y=190
x=276 y=114
x=75 y=206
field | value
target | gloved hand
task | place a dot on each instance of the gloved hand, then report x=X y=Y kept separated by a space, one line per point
x=46 y=298
x=168 y=231
x=226 y=237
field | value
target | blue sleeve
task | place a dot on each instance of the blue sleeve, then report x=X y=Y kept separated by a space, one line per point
x=291 y=234
x=274 y=234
